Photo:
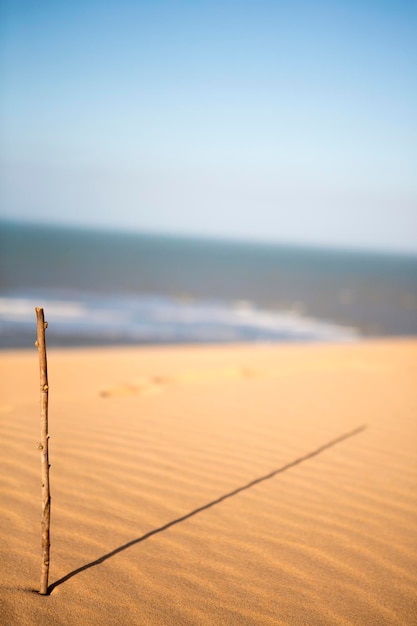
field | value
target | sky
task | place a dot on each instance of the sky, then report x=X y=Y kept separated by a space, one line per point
x=292 y=121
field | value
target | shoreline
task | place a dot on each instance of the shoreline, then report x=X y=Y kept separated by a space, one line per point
x=358 y=339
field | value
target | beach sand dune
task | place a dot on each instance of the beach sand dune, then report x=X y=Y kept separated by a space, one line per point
x=213 y=485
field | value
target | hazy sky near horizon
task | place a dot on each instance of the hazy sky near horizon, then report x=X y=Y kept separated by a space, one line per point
x=290 y=121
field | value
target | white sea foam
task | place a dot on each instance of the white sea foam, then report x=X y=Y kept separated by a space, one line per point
x=23 y=308
x=156 y=319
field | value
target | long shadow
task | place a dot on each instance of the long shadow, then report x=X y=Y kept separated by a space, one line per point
x=252 y=483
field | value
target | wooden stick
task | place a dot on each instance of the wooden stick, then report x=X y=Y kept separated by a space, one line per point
x=43 y=446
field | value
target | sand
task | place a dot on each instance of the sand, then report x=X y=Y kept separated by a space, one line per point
x=213 y=485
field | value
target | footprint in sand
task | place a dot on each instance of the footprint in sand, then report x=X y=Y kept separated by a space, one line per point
x=146 y=387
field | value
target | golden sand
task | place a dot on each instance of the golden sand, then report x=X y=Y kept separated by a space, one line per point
x=213 y=485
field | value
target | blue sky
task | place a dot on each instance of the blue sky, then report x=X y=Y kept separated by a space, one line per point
x=284 y=121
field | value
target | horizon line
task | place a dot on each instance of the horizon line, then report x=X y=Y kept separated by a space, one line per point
x=210 y=237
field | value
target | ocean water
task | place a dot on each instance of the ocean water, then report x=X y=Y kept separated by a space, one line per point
x=103 y=288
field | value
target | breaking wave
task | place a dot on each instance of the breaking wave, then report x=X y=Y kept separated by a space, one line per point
x=80 y=319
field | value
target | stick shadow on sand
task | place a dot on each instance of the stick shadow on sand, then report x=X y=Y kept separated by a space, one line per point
x=252 y=483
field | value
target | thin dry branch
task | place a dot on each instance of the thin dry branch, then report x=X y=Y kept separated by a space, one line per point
x=43 y=446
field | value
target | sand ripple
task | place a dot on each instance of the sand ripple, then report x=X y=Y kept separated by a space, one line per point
x=221 y=497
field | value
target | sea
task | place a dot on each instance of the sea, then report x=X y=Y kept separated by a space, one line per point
x=100 y=287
